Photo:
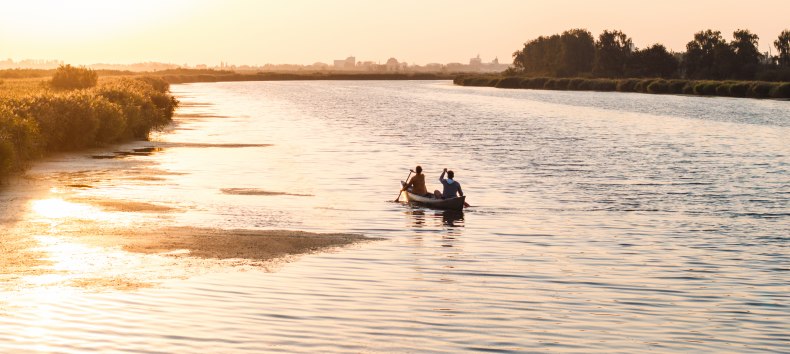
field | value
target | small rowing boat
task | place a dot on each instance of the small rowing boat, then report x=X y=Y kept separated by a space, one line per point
x=446 y=204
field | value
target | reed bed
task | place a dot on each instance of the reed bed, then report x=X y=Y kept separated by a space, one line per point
x=751 y=89
x=38 y=118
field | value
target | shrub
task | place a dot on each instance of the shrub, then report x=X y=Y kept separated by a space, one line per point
x=479 y=81
x=698 y=88
x=66 y=121
x=641 y=85
x=604 y=85
x=509 y=82
x=723 y=89
x=583 y=85
x=143 y=107
x=69 y=77
x=158 y=84
x=688 y=88
x=577 y=83
x=781 y=90
x=18 y=141
x=759 y=90
x=706 y=88
x=626 y=85
x=658 y=86
x=534 y=83
x=739 y=89
x=561 y=84
x=676 y=86
x=112 y=122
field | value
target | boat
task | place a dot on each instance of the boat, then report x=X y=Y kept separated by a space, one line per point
x=456 y=203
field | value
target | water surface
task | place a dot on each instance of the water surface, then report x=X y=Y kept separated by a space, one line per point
x=602 y=222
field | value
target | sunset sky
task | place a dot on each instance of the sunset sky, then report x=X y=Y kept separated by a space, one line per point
x=303 y=31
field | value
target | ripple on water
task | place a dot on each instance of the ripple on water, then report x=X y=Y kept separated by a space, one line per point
x=603 y=222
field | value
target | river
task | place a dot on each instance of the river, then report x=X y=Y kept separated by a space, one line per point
x=600 y=222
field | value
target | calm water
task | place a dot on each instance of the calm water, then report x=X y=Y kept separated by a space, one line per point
x=602 y=222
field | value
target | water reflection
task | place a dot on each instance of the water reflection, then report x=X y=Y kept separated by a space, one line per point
x=453 y=218
x=56 y=208
x=417 y=217
x=436 y=218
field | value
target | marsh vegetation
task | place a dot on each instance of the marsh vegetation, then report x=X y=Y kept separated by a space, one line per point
x=729 y=88
x=74 y=110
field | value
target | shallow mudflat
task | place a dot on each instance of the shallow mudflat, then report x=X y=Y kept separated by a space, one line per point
x=64 y=211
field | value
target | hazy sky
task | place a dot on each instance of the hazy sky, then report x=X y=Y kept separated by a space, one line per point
x=304 y=31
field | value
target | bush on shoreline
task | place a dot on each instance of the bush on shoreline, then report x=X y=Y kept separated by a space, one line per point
x=750 y=89
x=69 y=77
x=33 y=124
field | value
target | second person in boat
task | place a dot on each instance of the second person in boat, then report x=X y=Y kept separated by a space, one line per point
x=451 y=188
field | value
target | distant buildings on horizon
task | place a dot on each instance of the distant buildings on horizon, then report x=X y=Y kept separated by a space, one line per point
x=393 y=65
x=349 y=64
x=30 y=64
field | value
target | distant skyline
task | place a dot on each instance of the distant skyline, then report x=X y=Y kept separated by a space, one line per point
x=303 y=32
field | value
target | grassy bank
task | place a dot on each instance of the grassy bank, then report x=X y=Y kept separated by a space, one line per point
x=752 y=89
x=37 y=119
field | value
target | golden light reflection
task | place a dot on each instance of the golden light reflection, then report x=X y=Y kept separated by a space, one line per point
x=56 y=208
x=77 y=264
x=72 y=260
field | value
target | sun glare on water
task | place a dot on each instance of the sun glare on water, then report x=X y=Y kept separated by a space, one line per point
x=56 y=208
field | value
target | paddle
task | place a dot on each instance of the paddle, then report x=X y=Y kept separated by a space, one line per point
x=401 y=191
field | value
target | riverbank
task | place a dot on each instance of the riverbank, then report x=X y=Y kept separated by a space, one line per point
x=748 y=89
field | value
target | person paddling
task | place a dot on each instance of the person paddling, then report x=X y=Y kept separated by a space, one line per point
x=417 y=183
x=451 y=188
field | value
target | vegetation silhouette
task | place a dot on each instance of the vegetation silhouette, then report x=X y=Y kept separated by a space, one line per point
x=70 y=77
x=711 y=66
x=36 y=120
x=708 y=56
x=729 y=88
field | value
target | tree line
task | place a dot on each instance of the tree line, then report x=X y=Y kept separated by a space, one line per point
x=708 y=56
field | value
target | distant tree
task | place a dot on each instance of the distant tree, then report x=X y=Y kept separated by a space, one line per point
x=612 y=52
x=782 y=45
x=568 y=54
x=746 y=55
x=70 y=77
x=725 y=62
x=539 y=56
x=708 y=56
x=577 y=53
x=654 y=61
